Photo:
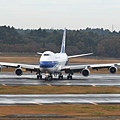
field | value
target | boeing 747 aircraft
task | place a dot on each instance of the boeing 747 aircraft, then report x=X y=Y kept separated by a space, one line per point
x=56 y=63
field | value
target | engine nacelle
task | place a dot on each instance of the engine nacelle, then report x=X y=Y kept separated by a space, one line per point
x=85 y=72
x=113 y=69
x=18 y=71
x=0 y=68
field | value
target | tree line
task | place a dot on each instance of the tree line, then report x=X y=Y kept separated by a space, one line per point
x=99 y=41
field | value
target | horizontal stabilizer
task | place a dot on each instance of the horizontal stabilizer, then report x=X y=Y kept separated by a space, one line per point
x=74 y=56
x=39 y=53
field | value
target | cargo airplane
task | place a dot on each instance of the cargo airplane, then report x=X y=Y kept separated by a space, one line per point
x=54 y=64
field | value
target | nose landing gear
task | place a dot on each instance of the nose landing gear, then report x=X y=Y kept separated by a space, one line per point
x=48 y=77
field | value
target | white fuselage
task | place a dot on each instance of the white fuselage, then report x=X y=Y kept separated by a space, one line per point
x=52 y=62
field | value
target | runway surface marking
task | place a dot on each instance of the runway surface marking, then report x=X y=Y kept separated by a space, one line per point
x=30 y=80
x=60 y=99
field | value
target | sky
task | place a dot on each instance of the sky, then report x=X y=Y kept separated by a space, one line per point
x=58 y=14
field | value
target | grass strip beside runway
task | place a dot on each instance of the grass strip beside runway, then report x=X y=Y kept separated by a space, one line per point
x=59 y=90
x=74 y=110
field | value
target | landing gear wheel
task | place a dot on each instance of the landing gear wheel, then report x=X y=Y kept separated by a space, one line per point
x=48 y=78
x=69 y=77
x=60 y=77
x=39 y=76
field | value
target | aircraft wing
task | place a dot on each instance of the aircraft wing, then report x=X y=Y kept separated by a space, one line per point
x=99 y=66
x=79 y=68
x=17 y=65
x=74 y=67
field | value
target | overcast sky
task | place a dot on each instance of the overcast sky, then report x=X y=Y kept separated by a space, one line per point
x=72 y=14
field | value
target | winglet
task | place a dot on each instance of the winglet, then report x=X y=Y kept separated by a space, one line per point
x=63 y=42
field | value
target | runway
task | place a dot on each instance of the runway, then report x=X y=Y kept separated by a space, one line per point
x=59 y=99
x=78 y=80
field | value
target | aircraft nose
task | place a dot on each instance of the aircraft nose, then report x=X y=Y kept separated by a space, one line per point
x=47 y=64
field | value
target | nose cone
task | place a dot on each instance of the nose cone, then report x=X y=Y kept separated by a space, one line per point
x=48 y=64
x=48 y=60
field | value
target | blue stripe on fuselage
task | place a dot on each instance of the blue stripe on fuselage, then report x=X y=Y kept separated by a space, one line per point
x=48 y=64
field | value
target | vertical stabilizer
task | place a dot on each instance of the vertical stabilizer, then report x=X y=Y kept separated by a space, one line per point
x=63 y=42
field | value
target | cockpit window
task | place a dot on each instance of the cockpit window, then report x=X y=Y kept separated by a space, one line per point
x=46 y=55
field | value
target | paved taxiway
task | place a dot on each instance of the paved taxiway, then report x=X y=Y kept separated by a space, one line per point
x=59 y=99
x=99 y=79
x=30 y=79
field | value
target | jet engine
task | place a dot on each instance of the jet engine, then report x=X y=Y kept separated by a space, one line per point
x=0 y=68
x=113 y=69
x=85 y=72
x=19 y=71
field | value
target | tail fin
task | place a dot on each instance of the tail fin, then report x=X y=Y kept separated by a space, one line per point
x=63 y=42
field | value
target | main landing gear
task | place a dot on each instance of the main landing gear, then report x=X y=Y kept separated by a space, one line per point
x=60 y=77
x=69 y=77
x=49 y=77
x=39 y=76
